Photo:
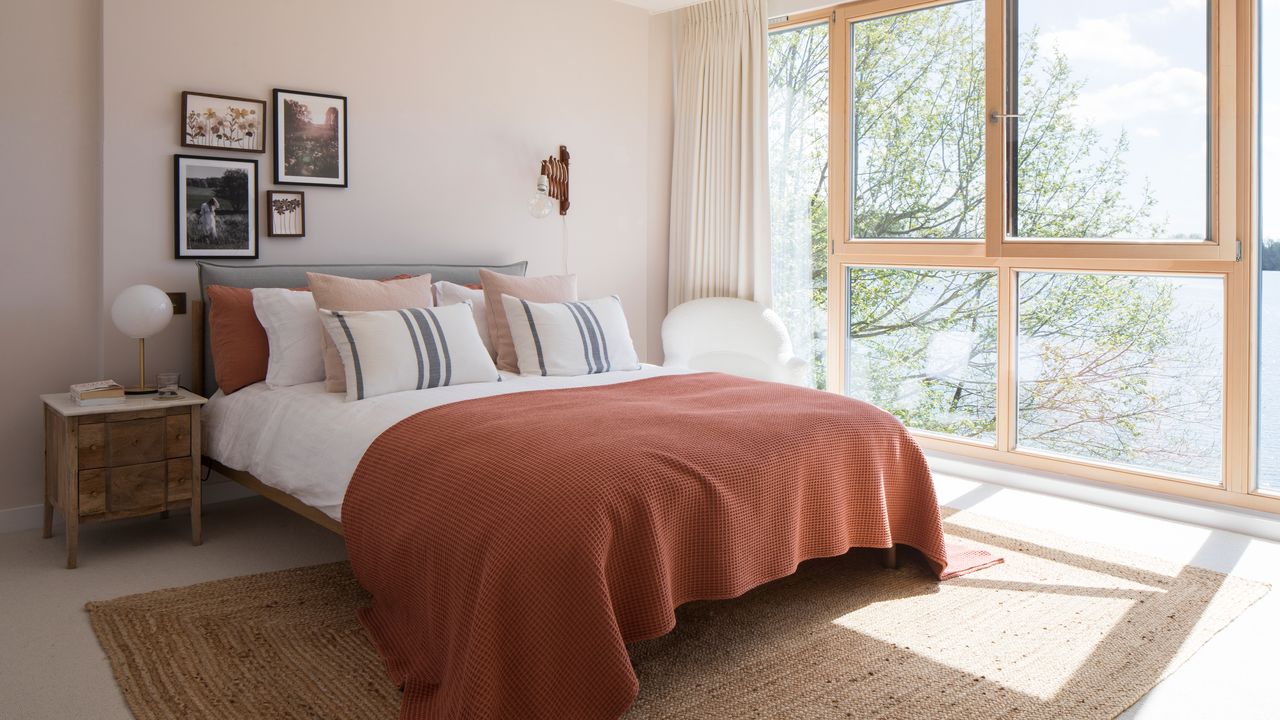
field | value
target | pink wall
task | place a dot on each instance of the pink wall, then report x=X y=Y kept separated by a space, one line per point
x=451 y=107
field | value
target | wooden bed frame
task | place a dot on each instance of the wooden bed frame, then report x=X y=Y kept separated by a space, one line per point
x=888 y=557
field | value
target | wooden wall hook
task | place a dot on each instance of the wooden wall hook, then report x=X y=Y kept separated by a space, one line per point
x=557 y=171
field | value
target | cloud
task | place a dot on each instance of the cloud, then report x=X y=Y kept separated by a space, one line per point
x=1103 y=40
x=1163 y=92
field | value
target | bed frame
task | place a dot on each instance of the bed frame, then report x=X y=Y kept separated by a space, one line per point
x=200 y=351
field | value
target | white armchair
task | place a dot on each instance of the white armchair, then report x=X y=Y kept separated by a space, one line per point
x=728 y=335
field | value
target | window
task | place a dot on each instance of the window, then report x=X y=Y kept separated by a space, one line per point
x=1267 y=474
x=916 y=82
x=1111 y=137
x=1035 y=206
x=1122 y=369
x=798 y=126
x=922 y=345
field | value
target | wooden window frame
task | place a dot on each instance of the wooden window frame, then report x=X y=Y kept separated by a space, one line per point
x=1228 y=253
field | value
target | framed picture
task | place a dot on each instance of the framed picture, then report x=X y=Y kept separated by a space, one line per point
x=286 y=214
x=215 y=207
x=222 y=122
x=311 y=138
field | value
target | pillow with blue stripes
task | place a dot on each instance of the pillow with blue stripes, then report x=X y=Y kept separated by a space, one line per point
x=386 y=351
x=570 y=338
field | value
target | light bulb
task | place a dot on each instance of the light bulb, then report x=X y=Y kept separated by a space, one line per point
x=541 y=205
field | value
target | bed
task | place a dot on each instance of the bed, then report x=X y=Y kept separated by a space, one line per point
x=515 y=535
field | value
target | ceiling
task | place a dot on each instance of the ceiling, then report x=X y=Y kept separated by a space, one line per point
x=660 y=6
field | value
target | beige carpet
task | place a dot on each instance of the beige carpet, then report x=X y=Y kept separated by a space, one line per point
x=1061 y=630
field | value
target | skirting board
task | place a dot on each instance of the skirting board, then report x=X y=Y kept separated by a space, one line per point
x=1169 y=507
x=31 y=517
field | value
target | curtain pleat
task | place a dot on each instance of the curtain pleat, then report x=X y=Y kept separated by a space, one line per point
x=719 y=183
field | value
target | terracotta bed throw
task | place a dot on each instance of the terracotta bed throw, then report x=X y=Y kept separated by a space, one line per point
x=513 y=544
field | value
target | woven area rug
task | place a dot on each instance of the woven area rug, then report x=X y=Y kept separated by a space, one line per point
x=1061 y=630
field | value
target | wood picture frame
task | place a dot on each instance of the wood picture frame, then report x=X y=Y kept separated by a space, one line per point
x=222 y=122
x=286 y=213
x=215 y=207
x=310 y=137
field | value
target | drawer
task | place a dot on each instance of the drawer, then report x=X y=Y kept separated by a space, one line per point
x=92 y=445
x=136 y=441
x=136 y=488
x=178 y=479
x=93 y=492
x=177 y=436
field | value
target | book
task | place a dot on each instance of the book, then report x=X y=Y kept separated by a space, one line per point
x=90 y=402
x=101 y=389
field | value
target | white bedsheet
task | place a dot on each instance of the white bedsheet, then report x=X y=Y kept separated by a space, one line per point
x=308 y=442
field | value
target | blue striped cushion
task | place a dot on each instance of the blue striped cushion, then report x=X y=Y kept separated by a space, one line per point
x=570 y=338
x=388 y=351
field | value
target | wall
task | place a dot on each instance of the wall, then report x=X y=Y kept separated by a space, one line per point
x=50 y=199
x=451 y=107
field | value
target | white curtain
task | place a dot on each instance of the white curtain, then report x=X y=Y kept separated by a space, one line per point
x=720 y=178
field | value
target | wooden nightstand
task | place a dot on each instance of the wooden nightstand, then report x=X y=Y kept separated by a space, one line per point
x=107 y=462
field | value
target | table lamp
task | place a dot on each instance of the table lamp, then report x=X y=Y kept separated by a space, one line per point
x=141 y=311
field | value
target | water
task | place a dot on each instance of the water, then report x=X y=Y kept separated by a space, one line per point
x=1269 y=384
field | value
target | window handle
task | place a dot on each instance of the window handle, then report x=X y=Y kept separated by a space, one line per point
x=996 y=117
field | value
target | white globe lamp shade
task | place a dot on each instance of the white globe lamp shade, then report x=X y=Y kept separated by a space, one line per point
x=141 y=311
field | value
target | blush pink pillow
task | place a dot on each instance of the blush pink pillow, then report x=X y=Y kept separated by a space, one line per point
x=339 y=293
x=550 y=288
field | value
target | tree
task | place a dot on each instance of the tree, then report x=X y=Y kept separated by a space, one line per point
x=1112 y=369
x=233 y=188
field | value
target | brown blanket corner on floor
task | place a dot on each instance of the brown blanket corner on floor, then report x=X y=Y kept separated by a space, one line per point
x=512 y=554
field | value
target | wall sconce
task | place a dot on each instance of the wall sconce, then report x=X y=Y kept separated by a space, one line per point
x=553 y=184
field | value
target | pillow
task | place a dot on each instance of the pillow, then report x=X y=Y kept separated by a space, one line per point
x=410 y=349
x=447 y=293
x=551 y=288
x=570 y=338
x=294 y=336
x=236 y=338
x=339 y=293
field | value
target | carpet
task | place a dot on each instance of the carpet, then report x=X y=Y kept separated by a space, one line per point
x=1062 y=629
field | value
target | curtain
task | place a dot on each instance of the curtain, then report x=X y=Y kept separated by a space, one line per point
x=720 y=179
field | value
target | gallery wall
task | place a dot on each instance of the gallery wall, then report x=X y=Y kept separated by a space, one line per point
x=451 y=107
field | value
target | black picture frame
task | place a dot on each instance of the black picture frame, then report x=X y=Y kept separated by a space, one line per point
x=209 y=121
x=309 y=152
x=205 y=229
x=286 y=213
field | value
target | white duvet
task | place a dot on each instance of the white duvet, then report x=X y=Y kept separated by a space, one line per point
x=308 y=442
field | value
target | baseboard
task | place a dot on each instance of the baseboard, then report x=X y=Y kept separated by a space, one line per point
x=31 y=517
x=1169 y=507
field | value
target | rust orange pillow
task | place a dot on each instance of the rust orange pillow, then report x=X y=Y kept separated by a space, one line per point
x=236 y=338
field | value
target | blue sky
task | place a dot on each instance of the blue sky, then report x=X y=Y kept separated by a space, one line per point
x=1143 y=63
x=1270 y=128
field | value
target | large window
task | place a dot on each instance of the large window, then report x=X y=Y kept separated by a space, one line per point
x=1035 y=207
x=798 y=128
x=1268 y=368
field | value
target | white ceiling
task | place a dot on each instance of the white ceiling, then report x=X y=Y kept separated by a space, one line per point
x=660 y=6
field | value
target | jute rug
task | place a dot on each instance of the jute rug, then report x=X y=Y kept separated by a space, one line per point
x=1061 y=630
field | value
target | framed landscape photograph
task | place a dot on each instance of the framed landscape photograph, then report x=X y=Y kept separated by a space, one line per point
x=286 y=214
x=215 y=207
x=222 y=122
x=311 y=138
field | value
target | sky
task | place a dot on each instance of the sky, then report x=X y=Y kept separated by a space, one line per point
x=1143 y=64
x=1269 y=131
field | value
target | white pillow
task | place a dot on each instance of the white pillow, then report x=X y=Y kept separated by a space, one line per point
x=570 y=338
x=294 y=336
x=447 y=293
x=386 y=351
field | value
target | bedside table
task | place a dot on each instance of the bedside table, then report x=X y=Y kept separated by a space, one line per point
x=106 y=462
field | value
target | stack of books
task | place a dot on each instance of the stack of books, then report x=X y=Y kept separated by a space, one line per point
x=102 y=392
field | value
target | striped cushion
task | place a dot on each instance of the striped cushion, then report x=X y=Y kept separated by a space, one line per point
x=570 y=338
x=386 y=351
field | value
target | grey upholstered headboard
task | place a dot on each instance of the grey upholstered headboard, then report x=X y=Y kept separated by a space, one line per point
x=252 y=276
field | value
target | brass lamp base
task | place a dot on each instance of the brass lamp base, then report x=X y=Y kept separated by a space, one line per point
x=139 y=391
x=142 y=388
